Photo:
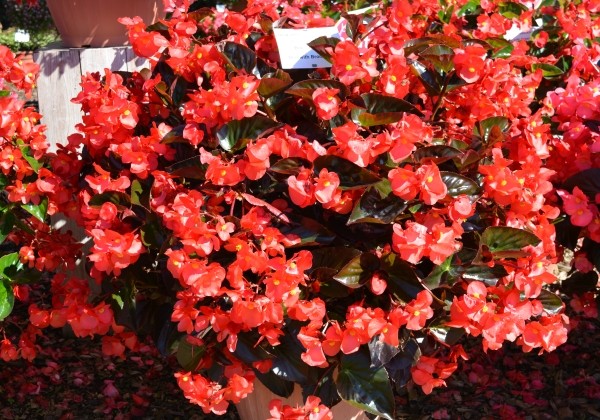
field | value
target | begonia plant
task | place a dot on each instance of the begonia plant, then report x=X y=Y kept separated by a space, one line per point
x=344 y=228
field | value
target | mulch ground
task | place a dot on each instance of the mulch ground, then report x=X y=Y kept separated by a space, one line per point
x=72 y=380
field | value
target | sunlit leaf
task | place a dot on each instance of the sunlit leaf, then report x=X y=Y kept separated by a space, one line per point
x=7 y=299
x=234 y=135
x=39 y=211
x=365 y=387
x=358 y=271
x=377 y=205
x=459 y=184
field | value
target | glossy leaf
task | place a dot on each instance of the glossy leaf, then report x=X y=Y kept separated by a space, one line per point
x=239 y=56
x=234 y=135
x=306 y=88
x=484 y=128
x=511 y=10
x=381 y=353
x=365 y=387
x=437 y=153
x=402 y=279
x=274 y=83
x=334 y=257
x=289 y=166
x=39 y=211
x=504 y=242
x=445 y=334
x=26 y=152
x=190 y=168
x=551 y=302
x=7 y=299
x=427 y=77
x=189 y=355
x=325 y=389
x=438 y=274
x=358 y=271
x=366 y=119
x=483 y=273
x=400 y=366
x=324 y=46
x=376 y=103
x=275 y=384
x=459 y=184
x=377 y=205
x=441 y=56
x=587 y=181
x=9 y=264
x=351 y=175
x=548 y=70
x=309 y=231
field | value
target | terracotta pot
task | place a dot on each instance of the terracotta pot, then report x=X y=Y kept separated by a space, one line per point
x=93 y=23
x=256 y=405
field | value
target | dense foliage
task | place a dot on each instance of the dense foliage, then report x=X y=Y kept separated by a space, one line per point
x=339 y=228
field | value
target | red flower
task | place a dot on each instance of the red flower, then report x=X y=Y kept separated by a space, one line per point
x=326 y=102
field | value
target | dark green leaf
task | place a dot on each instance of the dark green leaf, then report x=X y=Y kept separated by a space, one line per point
x=502 y=47
x=189 y=355
x=444 y=334
x=400 y=366
x=365 y=387
x=234 y=135
x=459 y=184
x=7 y=222
x=579 y=283
x=289 y=166
x=324 y=46
x=427 y=77
x=248 y=351
x=402 y=280
x=587 y=181
x=39 y=211
x=550 y=302
x=504 y=242
x=548 y=70
x=7 y=299
x=381 y=353
x=351 y=175
x=511 y=10
x=9 y=264
x=275 y=384
x=438 y=153
x=188 y=168
x=174 y=136
x=306 y=88
x=239 y=56
x=152 y=234
x=273 y=84
x=436 y=277
x=352 y=26
x=377 y=205
x=288 y=364
x=325 y=389
x=334 y=257
x=3 y=181
x=358 y=271
x=365 y=119
x=376 y=103
x=486 y=126
x=441 y=56
x=309 y=231
x=115 y=197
